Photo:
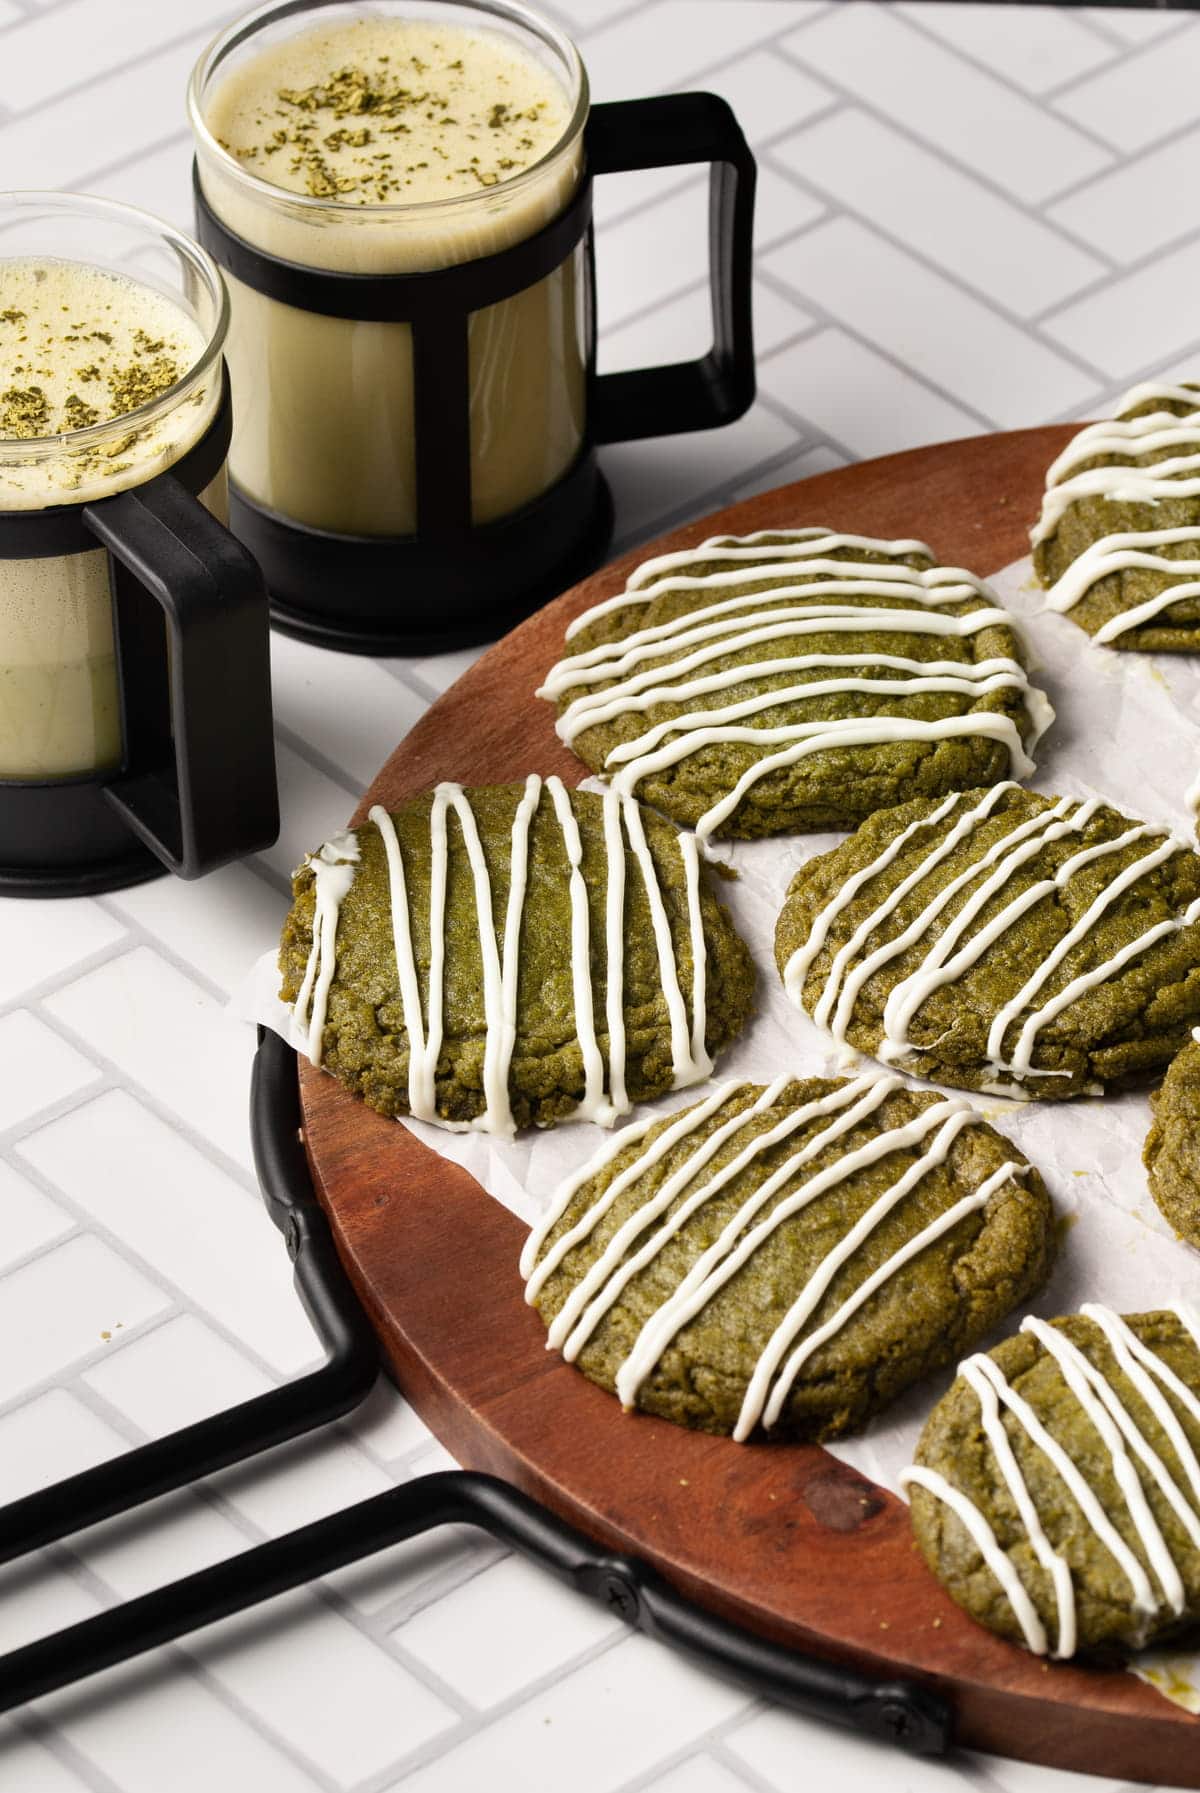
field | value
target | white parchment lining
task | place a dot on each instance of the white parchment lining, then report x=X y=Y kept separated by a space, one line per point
x=1127 y=730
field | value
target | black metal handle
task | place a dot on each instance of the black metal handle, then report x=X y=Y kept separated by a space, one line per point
x=665 y=132
x=904 y=1713
x=341 y=1383
x=199 y=786
x=897 y=1711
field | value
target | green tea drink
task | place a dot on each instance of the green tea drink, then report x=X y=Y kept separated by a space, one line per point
x=380 y=144
x=86 y=357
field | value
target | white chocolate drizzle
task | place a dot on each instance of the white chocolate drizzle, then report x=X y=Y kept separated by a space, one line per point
x=1151 y=1571
x=1130 y=479
x=956 y=948
x=669 y=662
x=795 y=547
x=640 y=1239
x=605 y=1096
x=1115 y=554
x=333 y=868
x=1192 y=798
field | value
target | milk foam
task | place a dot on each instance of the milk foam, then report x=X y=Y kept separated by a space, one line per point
x=70 y=332
x=389 y=110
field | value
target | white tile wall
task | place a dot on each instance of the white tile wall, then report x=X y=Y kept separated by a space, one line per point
x=41 y=1069
x=34 y=1604
x=909 y=192
x=196 y=1229
x=862 y=398
x=53 y=938
x=32 y=1766
x=206 y=925
x=1038 y=53
x=953 y=104
x=955 y=341
x=144 y=1731
x=80 y=43
x=50 y=1437
x=617 y=1717
x=970 y=216
x=1114 y=327
x=311 y=1675
x=1134 y=211
x=1135 y=101
x=181 y=1372
x=503 y=1630
x=168 y=1035
x=31 y=1219
x=698 y=1774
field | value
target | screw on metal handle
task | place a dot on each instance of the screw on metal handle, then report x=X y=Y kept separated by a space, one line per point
x=916 y=1720
x=909 y=1716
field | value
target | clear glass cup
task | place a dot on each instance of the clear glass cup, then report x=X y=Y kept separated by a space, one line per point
x=324 y=431
x=60 y=709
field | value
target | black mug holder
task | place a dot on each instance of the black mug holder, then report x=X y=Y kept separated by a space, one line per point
x=196 y=784
x=371 y=594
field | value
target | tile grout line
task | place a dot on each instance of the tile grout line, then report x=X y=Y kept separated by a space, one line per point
x=121 y=1079
x=938 y=151
x=1141 y=265
x=1130 y=159
x=1038 y=101
x=35 y=1725
x=180 y=1302
x=713 y=1744
x=1032 y=211
x=979 y=295
x=828 y=320
x=135 y=61
x=1129 y=53
x=34 y=1391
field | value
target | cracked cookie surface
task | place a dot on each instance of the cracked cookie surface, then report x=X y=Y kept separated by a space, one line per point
x=1118 y=541
x=1172 y=1153
x=1001 y=941
x=1056 y=1489
x=788 y=1258
x=796 y=680
x=511 y=956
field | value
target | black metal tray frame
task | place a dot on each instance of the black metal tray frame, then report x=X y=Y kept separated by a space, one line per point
x=898 y=1711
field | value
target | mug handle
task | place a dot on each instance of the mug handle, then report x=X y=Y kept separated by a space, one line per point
x=664 y=132
x=198 y=785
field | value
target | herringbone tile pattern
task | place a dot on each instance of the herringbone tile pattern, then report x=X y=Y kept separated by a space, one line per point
x=972 y=217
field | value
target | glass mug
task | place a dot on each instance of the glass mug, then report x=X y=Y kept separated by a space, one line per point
x=417 y=396
x=135 y=701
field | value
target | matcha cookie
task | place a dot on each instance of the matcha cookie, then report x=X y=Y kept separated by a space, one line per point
x=787 y=1258
x=1172 y=1153
x=1118 y=540
x=512 y=956
x=796 y=680
x=1001 y=941
x=1056 y=1491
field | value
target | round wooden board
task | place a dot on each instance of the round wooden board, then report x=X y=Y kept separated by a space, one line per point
x=783 y=1539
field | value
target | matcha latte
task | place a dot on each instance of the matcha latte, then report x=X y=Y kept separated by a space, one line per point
x=94 y=398
x=369 y=141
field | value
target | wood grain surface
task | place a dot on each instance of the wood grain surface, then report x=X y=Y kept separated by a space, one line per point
x=781 y=1538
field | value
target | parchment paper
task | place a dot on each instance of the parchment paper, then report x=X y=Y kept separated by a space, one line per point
x=1127 y=729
